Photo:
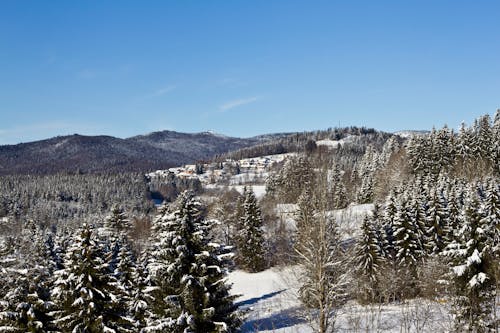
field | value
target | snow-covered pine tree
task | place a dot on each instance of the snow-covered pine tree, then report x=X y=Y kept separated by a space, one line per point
x=304 y=217
x=367 y=169
x=388 y=225
x=250 y=243
x=337 y=189
x=322 y=272
x=484 y=135
x=464 y=143
x=408 y=252
x=115 y=230
x=454 y=213
x=471 y=259
x=26 y=305
x=126 y=266
x=141 y=295
x=296 y=175
x=189 y=272
x=116 y=223
x=368 y=262
x=437 y=219
x=87 y=296
x=491 y=214
x=444 y=146
x=496 y=143
x=418 y=212
x=418 y=150
x=491 y=220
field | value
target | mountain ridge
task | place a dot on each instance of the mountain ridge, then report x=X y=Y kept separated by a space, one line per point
x=103 y=153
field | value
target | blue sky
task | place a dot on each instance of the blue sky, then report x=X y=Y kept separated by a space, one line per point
x=244 y=68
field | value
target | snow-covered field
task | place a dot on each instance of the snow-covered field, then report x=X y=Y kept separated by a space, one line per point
x=270 y=299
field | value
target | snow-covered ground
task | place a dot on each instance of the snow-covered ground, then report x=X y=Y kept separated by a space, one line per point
x=348 y=219
x=270 y=301
x=259 y=190
x=335 y=143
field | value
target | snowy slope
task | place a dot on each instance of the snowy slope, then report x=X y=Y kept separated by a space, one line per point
x=270 y=299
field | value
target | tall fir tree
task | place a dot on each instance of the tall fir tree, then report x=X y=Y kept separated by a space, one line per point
x=408 y=251
x=26 y=304
x=471 y=260
x=190 y=271
x=368 y=261
x=250 y=242
x=88 y=298
x=438 y=230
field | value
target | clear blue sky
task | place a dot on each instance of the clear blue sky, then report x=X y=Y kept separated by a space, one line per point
x=244 y=67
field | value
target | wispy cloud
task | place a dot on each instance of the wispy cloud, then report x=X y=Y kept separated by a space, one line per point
x=162 y=91
x=237 y=102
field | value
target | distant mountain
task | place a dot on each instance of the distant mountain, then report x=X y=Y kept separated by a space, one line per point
x=90 y=154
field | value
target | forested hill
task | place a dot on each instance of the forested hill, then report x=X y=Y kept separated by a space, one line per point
x=90 y=154
x=160 y=150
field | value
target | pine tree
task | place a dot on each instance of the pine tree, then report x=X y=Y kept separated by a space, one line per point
x=485 y=138
x=304 y=217
x=26 y=307
x=491 y=214
x=496 y=143
x=367 y=169
x=337 y=189
x=417 y=150
x=116 y=224
x=26 y=304
x=125 y=271
x=471 y=259
x=87 y=296
x=189 y=271
x=323 y=275
x=464 y=148
x=141 y=294
x=368 y=261
x=365 y=194
x=418 y=213
x=407 y=247
x=250 y=240
x=437 y=219
x=388 y=226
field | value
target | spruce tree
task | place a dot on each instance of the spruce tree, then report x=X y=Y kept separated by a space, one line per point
x=87 y=296
x=141 y=297
x=189 y=271
x=471 y=260
x=491 y=214
x=438 y=231
x=116 y=224
x=496 y=143
x=250 y=240
x=368 y=261
x=388 y=226
x=408 y=251
x=322 y=273
x=304 y=218
x=337 y=189
x=26 y=304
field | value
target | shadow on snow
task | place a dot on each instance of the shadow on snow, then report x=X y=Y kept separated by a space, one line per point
x=254 y=300
x=282 y=319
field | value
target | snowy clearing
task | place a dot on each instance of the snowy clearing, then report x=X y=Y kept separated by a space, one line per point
x=270 y=299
